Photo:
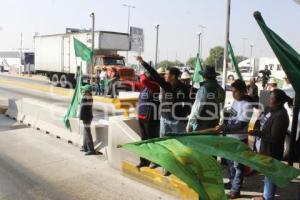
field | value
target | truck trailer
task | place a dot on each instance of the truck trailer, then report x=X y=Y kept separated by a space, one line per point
x=55 y=56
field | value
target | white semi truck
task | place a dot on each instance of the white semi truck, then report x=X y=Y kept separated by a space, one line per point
x=55 y=55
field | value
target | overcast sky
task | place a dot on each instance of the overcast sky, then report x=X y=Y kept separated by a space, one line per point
x=179 y=22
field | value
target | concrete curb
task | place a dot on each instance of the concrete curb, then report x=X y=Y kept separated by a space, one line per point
x=153 y=177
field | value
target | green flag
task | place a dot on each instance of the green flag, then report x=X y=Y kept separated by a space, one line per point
x=187 y=156
x=82 y=51
x=287 y=56
x=197 y=77
x=234 y=62
x=72 y=110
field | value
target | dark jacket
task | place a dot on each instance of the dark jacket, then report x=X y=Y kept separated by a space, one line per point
x=273 y=134
x=175 y=100
x=86 y=109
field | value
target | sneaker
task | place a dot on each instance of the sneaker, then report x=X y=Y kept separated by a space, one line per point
x=142 y=165
x=90 y=153
x=233 y=195
x=153 y=166
x=227 y=186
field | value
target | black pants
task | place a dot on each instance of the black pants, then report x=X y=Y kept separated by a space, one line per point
x=148 y=129
x=88 y=144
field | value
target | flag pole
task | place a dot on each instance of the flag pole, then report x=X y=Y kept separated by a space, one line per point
x=225 y=62
x=296 y=110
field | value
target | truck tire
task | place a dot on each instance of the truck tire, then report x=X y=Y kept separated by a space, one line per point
x=230 y=78
x=64 y=82
x=55 y=80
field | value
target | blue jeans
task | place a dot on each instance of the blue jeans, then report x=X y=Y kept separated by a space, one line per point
x=269 y=189
x=168 y=126
x=98 y=89
x=236 y=175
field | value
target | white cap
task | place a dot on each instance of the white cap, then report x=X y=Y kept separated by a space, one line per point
x=185 y=75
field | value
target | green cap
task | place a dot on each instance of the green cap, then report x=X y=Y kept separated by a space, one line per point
x=87 y=88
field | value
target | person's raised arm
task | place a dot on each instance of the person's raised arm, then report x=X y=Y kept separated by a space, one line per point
x=154 y=75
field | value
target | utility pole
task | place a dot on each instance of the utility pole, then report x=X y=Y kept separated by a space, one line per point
x=156 y=48
x=225 y=62
x=92 y=15
x=199 y=43
x=251 y=59
x=128 y=23
x=202 y=34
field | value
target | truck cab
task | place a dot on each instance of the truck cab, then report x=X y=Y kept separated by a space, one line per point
x=114 y=63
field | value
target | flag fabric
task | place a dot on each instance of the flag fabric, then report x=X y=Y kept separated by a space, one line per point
x=287 y=56
x=234 y=62
x=73 y=108
x=188 y=156
x=85 y=53
x=82 y=51
x=197 y=77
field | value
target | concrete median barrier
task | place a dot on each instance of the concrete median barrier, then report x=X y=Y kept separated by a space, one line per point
x=122 y=130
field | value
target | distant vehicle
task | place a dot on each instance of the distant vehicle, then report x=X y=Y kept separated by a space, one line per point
x=250 y=68
x=55 y=56
x=16 y=60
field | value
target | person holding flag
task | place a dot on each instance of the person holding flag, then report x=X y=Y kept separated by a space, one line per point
x=209 y=102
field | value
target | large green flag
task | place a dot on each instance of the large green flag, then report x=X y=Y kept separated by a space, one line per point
x=73 y=108
x=82 y=51
x=287 y=56
x=197 y=77
x=85 y=53
x=234 y=62
x=187 y=156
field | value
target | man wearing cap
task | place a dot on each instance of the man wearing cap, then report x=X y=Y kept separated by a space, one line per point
x=86 y=115
x=209 y=101
x=272 y=85
x=186 y=79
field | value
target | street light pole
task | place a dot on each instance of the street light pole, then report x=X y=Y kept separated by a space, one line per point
x=244 y=46
x=225 y=62
x=199 y=42
x=156 y=48
x=251 y=59
x=128 y=23
x=201 y=45
x=92 y=15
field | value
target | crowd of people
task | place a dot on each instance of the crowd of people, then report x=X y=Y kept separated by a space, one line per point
x=169 y=104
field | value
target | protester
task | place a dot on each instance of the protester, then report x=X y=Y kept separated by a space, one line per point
x=186 y=79
x=272 y=85
x=161 y=71
x=148 y=115
x=266 y=74
x=175 y=103
x=103 y=80
x=209 y=102
x=272 y=133
x=253 y=90
x=175 y=97
x=113 y=84
x=237 y=127
x=98 y=86
x=86 y=115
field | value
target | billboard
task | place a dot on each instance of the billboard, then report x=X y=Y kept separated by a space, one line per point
x=137 y=39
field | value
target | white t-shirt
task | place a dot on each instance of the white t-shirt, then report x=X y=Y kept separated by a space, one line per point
x=240 y=111
x=103 y=75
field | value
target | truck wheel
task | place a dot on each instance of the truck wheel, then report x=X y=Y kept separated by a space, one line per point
x=64 y=81
x=55 y=80
x=230 y=77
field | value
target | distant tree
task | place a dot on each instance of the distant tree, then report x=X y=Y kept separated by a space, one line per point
x=166 y=64
x=178 y=63
x=215 y=58
x=191 y=62
x=240 y=58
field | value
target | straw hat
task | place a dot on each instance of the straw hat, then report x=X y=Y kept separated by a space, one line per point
x=272 y=81
x=161 y=70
